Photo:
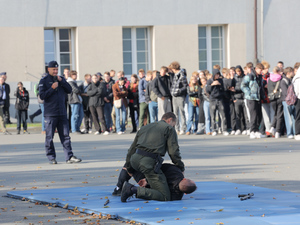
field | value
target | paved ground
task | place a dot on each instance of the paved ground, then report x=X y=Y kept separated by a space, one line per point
x=271 y=163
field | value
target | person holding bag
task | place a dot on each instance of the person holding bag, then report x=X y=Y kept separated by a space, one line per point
x=120 y=104
x=274 y=94
x=22 y=103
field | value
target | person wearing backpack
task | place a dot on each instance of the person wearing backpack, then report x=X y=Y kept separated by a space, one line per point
x=288 y=110
x=274 y=94
x=296 y=84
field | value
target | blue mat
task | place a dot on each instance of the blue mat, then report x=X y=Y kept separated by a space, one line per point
x=212 y=203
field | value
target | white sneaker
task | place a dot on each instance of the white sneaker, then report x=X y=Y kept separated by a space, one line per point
x=244 y=132
x=277 y=135
x=248 y=132
x=119 y=133
x=215 y=134
x=297 y=137
x=232 y=132
x=252 y=135
x=106 y=133
x=83 y=130
x=258 y=135
x=90 y=131
x=219 y=131
x=291 y=136
x=97 y=133
x=238 y=132
x=225 y=133
x=272 y=131
x=181 y=133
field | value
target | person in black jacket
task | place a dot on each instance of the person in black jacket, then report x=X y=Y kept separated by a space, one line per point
x=228 y=101
x=242 y=121
x=133 y=96
x=22 y=104
x=215 y=89
x=97 y=92
x=162 y=88
x=108 y=99
x=85 y=103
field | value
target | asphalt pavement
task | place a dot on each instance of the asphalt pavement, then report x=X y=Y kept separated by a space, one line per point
x=268 y=162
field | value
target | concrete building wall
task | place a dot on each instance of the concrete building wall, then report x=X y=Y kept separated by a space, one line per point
x=281 y=32
x=54 y=13
x=181 y=47
x=236 y=45
x=98 y=49
x=22 y=53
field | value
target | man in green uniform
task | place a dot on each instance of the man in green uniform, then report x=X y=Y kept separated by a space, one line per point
x=144 y=155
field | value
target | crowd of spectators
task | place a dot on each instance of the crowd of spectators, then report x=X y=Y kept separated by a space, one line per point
x=249 y=100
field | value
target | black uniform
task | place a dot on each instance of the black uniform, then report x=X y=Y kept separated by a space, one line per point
x=55 y=114
x=173 y=175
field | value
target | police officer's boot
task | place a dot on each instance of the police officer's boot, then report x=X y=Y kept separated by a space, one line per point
x=127 y=191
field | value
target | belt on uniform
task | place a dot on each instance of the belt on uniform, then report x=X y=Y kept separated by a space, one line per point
x=158 y=159
x=148 y=154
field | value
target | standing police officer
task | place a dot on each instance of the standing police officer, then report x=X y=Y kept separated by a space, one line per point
x=53 y=89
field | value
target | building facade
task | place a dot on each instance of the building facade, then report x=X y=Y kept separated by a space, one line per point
x=100 y=35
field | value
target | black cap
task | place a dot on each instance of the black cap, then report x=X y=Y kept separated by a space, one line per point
x=3 y=73
x=52 y=64
x=99 y=74
x=121 y=78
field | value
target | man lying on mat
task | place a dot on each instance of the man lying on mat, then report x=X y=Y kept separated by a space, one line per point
x=178 y=185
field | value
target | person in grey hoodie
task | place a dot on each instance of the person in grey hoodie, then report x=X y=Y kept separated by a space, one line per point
x=75 y=101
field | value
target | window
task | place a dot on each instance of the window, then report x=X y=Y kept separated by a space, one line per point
x=211 y=47
x=59 y=46
x=136 y=54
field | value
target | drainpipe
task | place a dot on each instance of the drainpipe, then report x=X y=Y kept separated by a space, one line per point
x=255 y=31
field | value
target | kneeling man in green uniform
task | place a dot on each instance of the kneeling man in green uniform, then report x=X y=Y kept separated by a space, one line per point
x=145 y=154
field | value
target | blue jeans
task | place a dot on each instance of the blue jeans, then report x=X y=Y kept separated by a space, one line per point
x=77 y=116
x=43 y=118
x=193 y=113
x=21 y=119
x=207 y=116
x=289 y=118
x=153 y=110
x=120 y=126
x=107 y=114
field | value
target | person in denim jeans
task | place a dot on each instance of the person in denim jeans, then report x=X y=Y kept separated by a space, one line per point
x=151 y=97
x=204 y=96
x=193 y=105
x=288 y=110
x=109 y=82
x=75 y=102
x=120 y=92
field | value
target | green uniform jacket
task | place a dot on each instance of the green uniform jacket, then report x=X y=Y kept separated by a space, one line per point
x=158 y=137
